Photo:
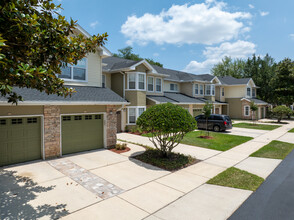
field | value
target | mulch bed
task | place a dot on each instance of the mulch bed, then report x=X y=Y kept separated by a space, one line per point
x=120 y=151
x=206 y=137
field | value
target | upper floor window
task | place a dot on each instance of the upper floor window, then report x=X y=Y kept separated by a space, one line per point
x=173 y=87
x=75 y=72
x=103 y=81
x=158 y=85
x=150 y=85
x=196 y=89
x=208 y=89
x=223 y=91
x=201 y=89
x=212 y=89
x=248 y=91
x=253 y=93
x=136 y=81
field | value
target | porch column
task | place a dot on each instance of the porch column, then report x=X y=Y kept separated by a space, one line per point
x=191 y=109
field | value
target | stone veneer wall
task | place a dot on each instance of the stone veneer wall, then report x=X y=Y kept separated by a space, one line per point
x=51 y=131
x=111 y=128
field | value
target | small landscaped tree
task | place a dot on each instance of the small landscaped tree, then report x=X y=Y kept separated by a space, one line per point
x=207 y=112
x=253 y=108
x=281 y=111
x=167 y=125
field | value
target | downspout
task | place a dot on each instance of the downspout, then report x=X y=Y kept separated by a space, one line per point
x=124 y=84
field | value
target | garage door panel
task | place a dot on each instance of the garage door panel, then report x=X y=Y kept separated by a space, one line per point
x=20 y=141
x=82 y=133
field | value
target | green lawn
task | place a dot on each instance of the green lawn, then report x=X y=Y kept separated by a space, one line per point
x=274 y=150
x=221 y=142
x=292 y=130
x=175 y=162
x=256 y=126
x=237 y=178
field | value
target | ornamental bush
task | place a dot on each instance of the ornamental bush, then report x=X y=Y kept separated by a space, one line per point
x=281 y=111
x=168 y=124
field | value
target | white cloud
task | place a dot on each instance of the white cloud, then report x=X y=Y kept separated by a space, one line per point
x=206 y=23
x=156 y=54
x=263 y=13
x=251 y=6
x=291 y=36
x=94 y=24
x=213 y=55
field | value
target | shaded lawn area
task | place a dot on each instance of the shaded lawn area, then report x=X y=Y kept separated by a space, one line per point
x=221 y=142
x=292 y=130
x=237 y=178
x=256 y=126
x=274 y=150
x=175 y=162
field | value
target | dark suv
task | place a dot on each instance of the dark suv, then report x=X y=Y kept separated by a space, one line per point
x=215 y=122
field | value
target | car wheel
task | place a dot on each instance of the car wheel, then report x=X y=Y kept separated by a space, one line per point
x=216 y=128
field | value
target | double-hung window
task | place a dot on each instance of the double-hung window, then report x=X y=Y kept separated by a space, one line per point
x=253 y=93
x=246 y=110
x=132 y=80
x=223 y=91
x=173 y=87
x=212 y=89
x=134 y=113
x=196 y=89
x=136 y=81
x=208 y=88
x=150 y=85
x=248 y=91
x=158 y=85
x=201 y=89
x=103 y=81
x=75 y=72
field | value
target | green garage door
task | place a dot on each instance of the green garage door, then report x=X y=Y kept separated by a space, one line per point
x=20 y=140
x=81 y=133
x=197 y=111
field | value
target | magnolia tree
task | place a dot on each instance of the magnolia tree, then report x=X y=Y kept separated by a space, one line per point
x=281 y=111
x=167 y=124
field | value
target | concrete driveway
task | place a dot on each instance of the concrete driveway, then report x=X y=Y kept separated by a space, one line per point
x=56 y=188
x=245 y=132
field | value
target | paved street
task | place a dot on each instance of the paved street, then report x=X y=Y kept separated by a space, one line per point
x=274 y=199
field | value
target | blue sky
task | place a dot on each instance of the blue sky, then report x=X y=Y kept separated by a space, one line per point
x=190 y=35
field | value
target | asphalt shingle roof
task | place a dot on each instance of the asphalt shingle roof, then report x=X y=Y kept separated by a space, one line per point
x=176 y=98
x=229 y=80
x=257 y=101
x=82 y=94
x=116 y=63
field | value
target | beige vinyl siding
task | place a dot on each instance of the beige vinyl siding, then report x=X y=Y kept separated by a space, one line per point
x=108 y=80
x=21 y=110
x=117 y=83
x=141 y=68
x=94 y=72
x=187 y=88
x=235 y=91
x=150 y=103
x=166 y=86
x=235 y=107
x=136 y=98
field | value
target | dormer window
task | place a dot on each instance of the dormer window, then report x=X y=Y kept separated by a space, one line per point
x=248 y=91
x=75 y=72
x=253 y=93
x=136 y=81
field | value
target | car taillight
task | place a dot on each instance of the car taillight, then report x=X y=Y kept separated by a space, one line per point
x=225 y=123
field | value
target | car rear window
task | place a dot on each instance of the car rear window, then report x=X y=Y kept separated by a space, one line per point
x=227 y=118
x=218 y=117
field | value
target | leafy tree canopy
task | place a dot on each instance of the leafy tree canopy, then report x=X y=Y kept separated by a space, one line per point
x=281 y=111
x=284 y=82
x=168 y=124
x=35 y=42
x=127 y=53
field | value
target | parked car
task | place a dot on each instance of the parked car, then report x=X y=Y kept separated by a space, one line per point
x=215 y=122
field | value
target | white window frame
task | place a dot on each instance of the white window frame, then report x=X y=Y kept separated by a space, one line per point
x=208 y=89
x=201 y=88
x=198 y=91
x=136 y=113
x=150 y=77
x=71 y=73
x=253 y=89
x=175 y=87
x=103 y=81
x=212 y=92
x=246 y=106
x=249 y=91
x=136 y=81
x=160 y=84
